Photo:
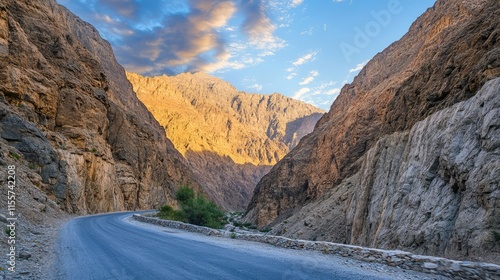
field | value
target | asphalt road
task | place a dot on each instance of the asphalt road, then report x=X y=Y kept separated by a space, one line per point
x=110 y=247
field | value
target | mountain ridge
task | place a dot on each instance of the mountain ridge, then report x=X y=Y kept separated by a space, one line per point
x=213 y=124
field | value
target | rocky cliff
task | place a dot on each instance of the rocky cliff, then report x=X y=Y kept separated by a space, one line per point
x=369 y=172
x=230 y=138
x=67 y=108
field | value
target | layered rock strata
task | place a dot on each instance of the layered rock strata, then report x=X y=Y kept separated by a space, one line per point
x=446 y=57
x=433 y=190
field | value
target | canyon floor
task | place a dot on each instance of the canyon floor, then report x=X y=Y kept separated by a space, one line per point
x=113 y=246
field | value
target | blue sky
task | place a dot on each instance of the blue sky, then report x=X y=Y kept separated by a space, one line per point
x=306 y=49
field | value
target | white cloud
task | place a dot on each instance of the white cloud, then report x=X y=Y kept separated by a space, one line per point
x=306 y=58
x=333 y=91
x=310 y=78
x=256 y=87
x=326 y=89
x=324 y=85
x=306 y=81
x=250 y=60
x=301 y=92
x=259 y=28
x=358 y=67
x=292 y=73
x=308 y=32
x=339 y=1
x=295 y=3
x=223 y=62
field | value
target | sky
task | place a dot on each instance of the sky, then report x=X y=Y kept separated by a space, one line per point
x=305 y=49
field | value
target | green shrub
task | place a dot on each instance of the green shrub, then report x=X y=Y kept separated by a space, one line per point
x=232 y=235
x=168 y=213
x=237 y=224
x=32 y=166
x=325 y=250
x=496 y=235
x=194 y=209
x=166 y=209
x=14 y=155
x=184 y=194
x=202 y=212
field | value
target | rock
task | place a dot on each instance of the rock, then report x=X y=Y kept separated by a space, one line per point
x=369 y=159
x=230 y=138
x=445 y=213
x=3 y=219
x=24 y=255
x=430 y=265
x=40 y=207
x=68 y=107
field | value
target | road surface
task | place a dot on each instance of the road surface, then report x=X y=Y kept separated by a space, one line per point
x=110 y=246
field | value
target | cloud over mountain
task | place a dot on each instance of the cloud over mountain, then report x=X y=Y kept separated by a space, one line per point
x=177 y=36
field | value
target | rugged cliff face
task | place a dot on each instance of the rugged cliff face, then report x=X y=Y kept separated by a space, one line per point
x=67 y=107
x=432 y=189
x=230 y=138
x=446 y=57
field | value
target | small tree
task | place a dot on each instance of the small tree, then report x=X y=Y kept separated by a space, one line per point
x=184 y=194
x=194 y=209
x=168 y=213
x=200 y=211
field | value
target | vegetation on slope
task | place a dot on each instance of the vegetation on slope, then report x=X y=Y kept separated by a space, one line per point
x=194 y=209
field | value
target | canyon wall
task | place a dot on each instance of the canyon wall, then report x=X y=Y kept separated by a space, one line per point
x=448 y=54
x=68 y=109
x=432 y=189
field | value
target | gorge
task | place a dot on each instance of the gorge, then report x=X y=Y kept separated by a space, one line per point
x=407 y=157
x=229 y=138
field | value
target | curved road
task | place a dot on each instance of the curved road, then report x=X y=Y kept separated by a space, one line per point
x=111 y=247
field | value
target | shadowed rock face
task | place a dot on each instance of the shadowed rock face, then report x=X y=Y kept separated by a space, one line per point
x=67 y=106
x=230 y=138
x=446 y=57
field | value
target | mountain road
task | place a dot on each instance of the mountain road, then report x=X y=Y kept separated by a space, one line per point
x=113 y=246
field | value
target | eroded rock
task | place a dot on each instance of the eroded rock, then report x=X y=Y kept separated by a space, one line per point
x=67 y=107
x=449 y=53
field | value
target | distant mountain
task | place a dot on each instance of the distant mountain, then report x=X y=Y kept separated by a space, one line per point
x=230 y=138
x=394 y=164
